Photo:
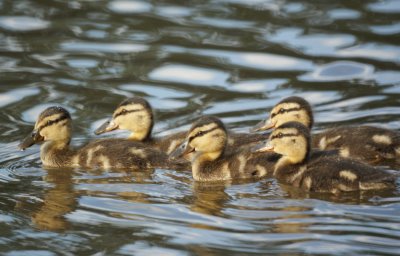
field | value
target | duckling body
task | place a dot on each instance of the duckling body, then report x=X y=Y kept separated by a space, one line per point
x=206 y=141
x=320 y=173
x=369 y=144
x=53 y=128
x=135 y=114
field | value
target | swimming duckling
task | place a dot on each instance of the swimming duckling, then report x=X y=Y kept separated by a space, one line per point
x=365 y=143
x=322 y=173
x=135 y=115
x=207 y=141
x=53 y=128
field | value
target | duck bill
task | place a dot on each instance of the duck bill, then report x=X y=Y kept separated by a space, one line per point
x=263 y=126
x=108 y=126
x=30 y=140
x=267 y=148
x=181 y=151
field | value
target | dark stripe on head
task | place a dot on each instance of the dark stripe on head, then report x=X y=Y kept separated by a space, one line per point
x=202 y=133
x=281 y=135
x=52 y=111
x=303 y=104
x=283 y=110
x=125 y=112
x=204 y=121
x=64 y=114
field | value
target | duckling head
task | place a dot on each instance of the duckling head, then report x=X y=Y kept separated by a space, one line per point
x=291 y=140
x=289 y=109
x=207 y=138
x=53 y=124
x=134 y=114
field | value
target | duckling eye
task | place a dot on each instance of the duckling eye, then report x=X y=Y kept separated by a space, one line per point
x=280 y=135
x=281 y=111
x=48 y=122
x=123 y=111
x=200 y=133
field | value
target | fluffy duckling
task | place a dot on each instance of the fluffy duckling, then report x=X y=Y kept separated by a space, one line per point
x=207 y=141
x=135 y=115
x=365 y=143
x=320 y=173
x=53 y=128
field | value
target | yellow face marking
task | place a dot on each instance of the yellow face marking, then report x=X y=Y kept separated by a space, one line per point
x=138 y=152
x=348 y=175
x=382 y=139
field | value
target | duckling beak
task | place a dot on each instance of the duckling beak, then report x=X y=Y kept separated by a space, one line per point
x=31 y=139
x=263 y=126
x=267 y=148
x=181 y=151
x=108 y=126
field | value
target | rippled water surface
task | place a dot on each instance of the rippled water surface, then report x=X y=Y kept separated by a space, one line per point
x=230 y=58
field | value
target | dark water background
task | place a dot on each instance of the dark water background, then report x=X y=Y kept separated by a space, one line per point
x=231 y=58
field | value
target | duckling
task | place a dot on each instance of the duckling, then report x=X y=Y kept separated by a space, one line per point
x=53 y=128
x=207 y=141
x=135 y=114
x=320 y=173
x=369 y=144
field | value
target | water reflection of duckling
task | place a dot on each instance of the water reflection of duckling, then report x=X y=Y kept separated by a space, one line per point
x=53 y=128
x=57 y=202
x=207 y=139
x=365 y=143
x=135 y=115
x=320 y=174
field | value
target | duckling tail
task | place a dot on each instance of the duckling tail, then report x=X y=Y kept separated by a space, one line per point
x=386 y=182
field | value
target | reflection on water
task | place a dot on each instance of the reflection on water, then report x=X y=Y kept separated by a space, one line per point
x=232 y=58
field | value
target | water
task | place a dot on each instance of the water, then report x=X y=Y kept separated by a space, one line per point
x=231 y=58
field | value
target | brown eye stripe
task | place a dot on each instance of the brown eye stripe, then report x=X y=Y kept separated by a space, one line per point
x=51 y=122
x=126 y=112
x=278 y=136
x=201 y=133
x=282 y=110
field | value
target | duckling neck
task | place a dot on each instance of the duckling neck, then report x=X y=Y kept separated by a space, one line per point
x=201 y=160
x=56 y=153
x=140 y=136
x=286 y=162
